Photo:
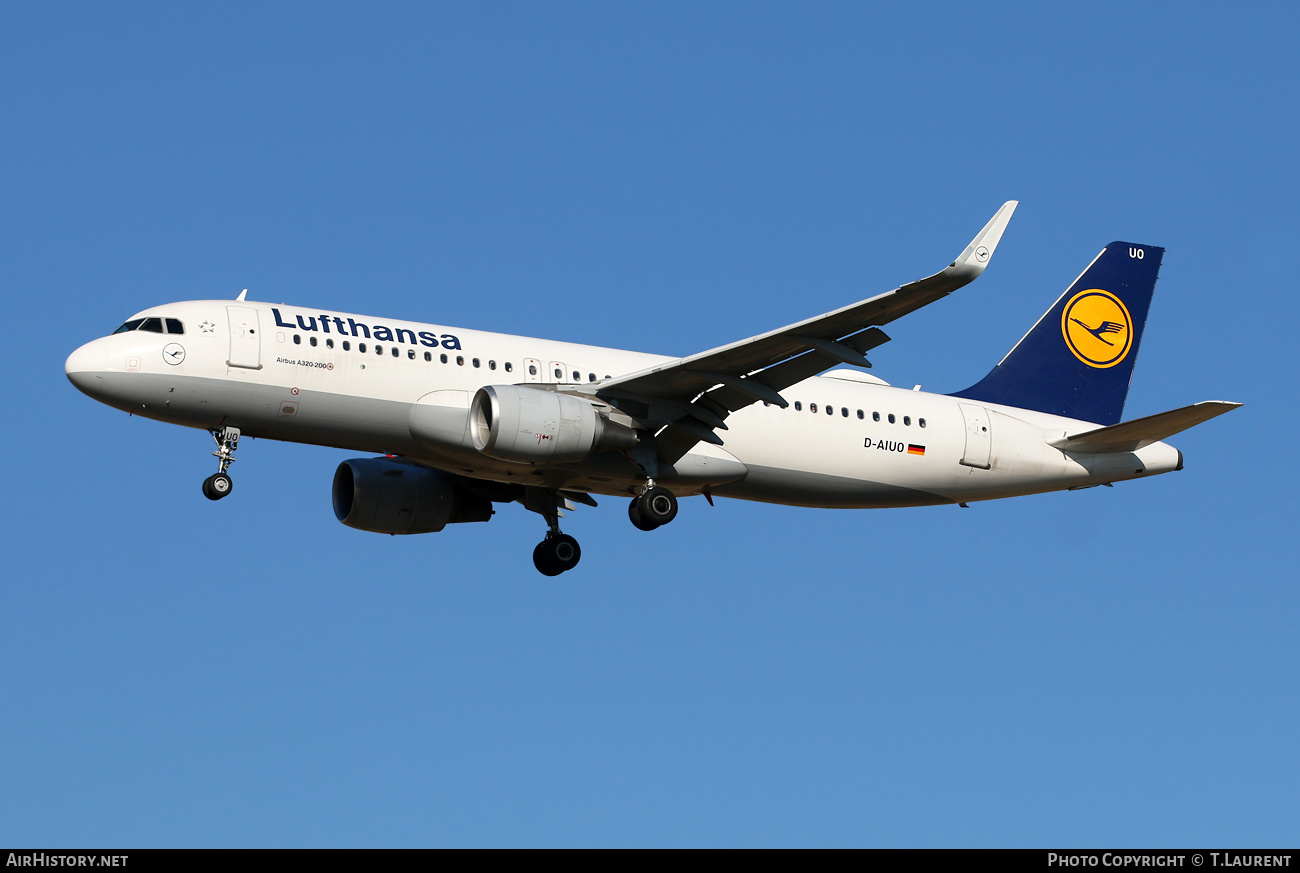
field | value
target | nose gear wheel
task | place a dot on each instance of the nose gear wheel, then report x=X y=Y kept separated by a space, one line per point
x=219 y=484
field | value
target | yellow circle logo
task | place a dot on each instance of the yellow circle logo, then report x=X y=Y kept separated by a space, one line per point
x=1097 y=328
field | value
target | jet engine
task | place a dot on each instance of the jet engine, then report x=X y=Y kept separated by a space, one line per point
x=516 y=423
x=383 y=495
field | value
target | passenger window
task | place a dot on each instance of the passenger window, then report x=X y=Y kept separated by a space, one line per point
x=907 y=420
x=845 y=412
x=442 y=358
x=875 y=416
x=812 y=407
x=798 y=407
x=591 y=377
x=474 y=362
x=558 y=375
x=532 y=371
x=379 y=350
x=428 y=356
x=860 y=415
x=130 y=325
x=312 y=340
x=830 y=410
x=153 y=325
x=174 y=326
x=329 y=343
x=347 y=346
x=410 y=354
x=297 y=340
x=891 y=418
x=361 y=347
x=460 y=362
x=577 y=377
x=492 y=365
x=509 y=367
x=921 y=422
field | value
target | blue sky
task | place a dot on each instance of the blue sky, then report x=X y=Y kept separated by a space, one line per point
x=1102 y=668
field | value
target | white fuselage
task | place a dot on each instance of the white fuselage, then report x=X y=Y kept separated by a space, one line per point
x=282 y=372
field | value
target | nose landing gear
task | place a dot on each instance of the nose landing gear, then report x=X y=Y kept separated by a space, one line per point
x=219 y=484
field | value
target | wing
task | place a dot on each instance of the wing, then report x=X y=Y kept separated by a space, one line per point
x=689 y=398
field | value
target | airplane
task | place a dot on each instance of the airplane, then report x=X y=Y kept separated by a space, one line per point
x=464 y=419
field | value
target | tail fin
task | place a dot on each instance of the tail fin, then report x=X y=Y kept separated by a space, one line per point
x=1077 y=361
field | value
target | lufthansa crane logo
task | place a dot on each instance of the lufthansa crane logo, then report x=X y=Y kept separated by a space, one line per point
x=1097 y=328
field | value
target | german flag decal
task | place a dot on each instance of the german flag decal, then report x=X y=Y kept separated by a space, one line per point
x=915 y=450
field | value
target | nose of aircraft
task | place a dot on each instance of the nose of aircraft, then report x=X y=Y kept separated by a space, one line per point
x=85 y=367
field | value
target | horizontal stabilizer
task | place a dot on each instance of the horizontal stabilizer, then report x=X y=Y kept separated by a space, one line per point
x=1133 y=435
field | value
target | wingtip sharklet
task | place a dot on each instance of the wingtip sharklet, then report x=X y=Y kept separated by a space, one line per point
x=980 y=251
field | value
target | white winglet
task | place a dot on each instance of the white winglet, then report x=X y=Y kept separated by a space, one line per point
x=980 y=251
x=241 y=294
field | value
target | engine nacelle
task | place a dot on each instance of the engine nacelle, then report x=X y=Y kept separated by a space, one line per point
x=515 y=423
x=383 y=495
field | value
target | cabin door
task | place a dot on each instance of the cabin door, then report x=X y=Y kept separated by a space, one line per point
x=979 y=438
x=245 y=338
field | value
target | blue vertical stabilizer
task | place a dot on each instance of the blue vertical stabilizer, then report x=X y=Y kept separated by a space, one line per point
x=1077 y=361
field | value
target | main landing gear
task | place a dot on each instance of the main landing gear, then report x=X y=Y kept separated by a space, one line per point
x=559 y=552
x=555 y=554
x=654 y=507
x=218 y=485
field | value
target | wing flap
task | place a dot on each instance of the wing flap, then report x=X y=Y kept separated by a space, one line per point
x=1129 y=436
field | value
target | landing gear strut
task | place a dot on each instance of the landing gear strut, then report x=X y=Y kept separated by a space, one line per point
x=654 y=507
x=559 y=551
x=218 y=485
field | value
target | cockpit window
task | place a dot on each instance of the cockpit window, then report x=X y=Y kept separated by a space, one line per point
x=153 y=325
